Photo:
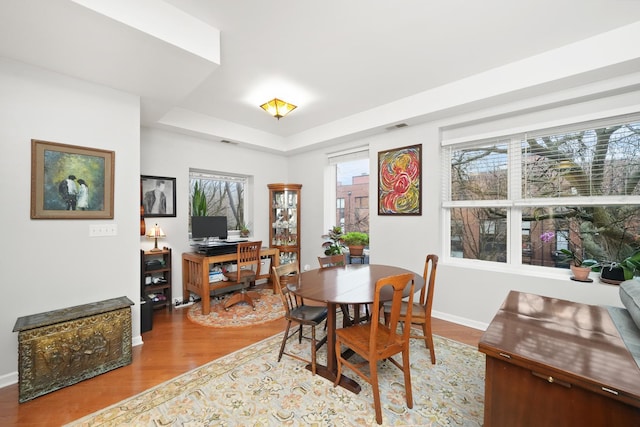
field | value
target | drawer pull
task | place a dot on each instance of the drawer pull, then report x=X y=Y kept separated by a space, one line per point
x=505 y=355
x=608 y=390
x=551 y=380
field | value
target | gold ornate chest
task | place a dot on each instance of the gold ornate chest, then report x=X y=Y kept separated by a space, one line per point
x=62 y=347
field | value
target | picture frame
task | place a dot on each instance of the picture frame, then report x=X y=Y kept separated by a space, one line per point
x=400 y=181
x=152 y=185
x=71 y=181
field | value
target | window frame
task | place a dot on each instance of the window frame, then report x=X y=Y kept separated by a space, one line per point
x=246 y=180
x=515 y=203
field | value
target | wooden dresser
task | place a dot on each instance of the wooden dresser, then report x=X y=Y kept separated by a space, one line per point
x=552 y=362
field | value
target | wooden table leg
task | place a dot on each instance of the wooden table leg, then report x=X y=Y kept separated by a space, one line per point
x=329 y=372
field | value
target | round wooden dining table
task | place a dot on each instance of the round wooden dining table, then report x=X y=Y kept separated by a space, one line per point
x=335 y=286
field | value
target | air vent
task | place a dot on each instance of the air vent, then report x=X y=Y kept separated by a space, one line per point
x=397 y=126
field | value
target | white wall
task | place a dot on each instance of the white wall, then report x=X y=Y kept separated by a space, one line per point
x=52 y=264
x=465 y=293
x=171 y=155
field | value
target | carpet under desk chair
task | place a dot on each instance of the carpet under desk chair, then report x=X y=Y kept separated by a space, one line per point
x=248 y=267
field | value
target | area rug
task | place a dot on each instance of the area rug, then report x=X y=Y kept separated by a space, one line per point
x=250 y=388
x=268 y=307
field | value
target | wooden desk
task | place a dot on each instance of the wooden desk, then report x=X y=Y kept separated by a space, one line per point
x=552 y=362
x=195 y=273
x=351 y=284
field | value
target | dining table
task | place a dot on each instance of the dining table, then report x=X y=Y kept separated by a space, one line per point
x=352 y=284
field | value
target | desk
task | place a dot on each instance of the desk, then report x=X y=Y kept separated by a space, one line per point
x=351 y=284
x=552 y=362
x=195 y=273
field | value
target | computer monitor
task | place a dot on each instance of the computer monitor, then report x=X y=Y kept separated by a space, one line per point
x=206 y=227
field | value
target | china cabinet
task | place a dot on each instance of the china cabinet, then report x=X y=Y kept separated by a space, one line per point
x=284 y=217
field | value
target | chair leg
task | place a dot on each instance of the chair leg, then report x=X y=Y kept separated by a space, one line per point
x=284 y=340
x=428 y=341
x=406 y=368
x=373 y=368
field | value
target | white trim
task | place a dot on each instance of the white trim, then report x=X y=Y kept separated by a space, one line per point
x=545 y=126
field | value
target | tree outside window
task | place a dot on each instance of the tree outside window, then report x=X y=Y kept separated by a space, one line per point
x=578 y=188
x=223 y=195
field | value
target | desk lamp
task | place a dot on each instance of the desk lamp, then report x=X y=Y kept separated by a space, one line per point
x=155 y=232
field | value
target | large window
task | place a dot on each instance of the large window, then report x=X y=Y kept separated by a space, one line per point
x=217 y=194
x=352 y=190
x=522 y=199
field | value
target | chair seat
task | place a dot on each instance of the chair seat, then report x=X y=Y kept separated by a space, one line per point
x=417 y=311
x=359 y=337
x=309 y=313
x=244 y=274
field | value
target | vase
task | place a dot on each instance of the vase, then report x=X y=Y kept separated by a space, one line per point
x=581 y=274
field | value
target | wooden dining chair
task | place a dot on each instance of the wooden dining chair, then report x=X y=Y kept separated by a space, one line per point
x=421 y=310
x=340 y=260
x=247 y=268
x=297 y=312
x=376 y=341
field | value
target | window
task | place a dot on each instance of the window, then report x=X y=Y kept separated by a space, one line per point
x=522 y=199
x=351 y=190
x=219 y=195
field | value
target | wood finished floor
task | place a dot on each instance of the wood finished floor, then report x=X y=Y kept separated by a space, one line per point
x=174 y=346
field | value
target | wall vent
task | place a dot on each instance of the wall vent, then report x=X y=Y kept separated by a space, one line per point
x=397 y=126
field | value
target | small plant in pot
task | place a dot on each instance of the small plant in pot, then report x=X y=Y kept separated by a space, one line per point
x=333 y=245
x=617 y=272
x=355 y=241
x=580 y=267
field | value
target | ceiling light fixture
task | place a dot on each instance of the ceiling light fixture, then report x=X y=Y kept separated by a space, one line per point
x=278 y=108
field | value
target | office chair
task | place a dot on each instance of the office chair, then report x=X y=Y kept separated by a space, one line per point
x=248 y=267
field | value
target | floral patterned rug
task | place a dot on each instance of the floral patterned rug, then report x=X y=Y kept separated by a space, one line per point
x=268 y=307
x=250 y=388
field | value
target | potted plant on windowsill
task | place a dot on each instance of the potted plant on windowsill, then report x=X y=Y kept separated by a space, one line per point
x=579 y=267
x=355 y=241
x=617 y=272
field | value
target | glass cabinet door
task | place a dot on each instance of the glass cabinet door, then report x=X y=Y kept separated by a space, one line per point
x=285 y=218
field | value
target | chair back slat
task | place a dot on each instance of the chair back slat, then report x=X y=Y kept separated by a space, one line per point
x=247 y=255
x=400 y=285
x=429 y=275
x=282 y=275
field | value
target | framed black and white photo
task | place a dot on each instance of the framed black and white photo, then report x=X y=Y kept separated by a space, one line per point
x=158 y=196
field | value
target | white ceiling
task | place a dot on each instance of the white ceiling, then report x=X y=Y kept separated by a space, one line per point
x=345 y=63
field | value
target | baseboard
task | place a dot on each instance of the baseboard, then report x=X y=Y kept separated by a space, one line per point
x=460 y=320
x=9 y=379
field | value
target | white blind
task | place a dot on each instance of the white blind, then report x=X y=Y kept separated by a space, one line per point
x=348 y=155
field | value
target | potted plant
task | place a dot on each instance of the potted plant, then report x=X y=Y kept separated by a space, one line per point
x=333 y=245
x=617 y=272
x=244 y=230
x=579 y=267
x=198 y=201
x=355 y=241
